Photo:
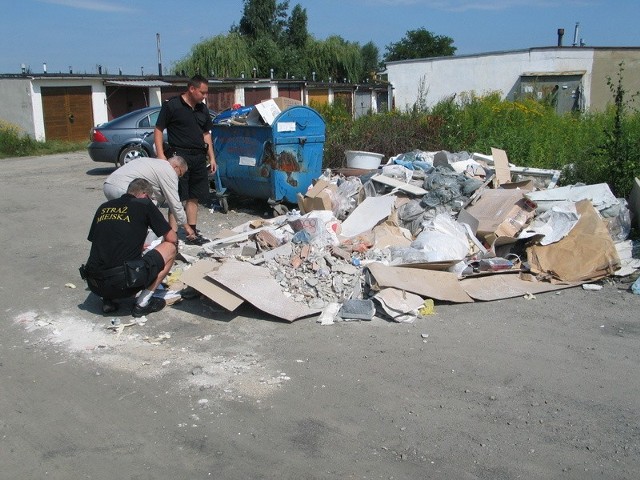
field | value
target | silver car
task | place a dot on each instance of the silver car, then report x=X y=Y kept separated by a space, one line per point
x=125 y=138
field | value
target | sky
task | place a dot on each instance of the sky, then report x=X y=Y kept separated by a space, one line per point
x=122 y=35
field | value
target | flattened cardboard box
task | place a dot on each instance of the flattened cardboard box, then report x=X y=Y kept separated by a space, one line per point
x=501 y=213
x=318 y=197
x=285 y=102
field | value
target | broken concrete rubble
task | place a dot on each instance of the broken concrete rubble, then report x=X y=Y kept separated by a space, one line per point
x=445 y=232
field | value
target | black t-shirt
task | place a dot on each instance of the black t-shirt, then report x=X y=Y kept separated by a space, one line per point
x=119 y=228
x=185 y=125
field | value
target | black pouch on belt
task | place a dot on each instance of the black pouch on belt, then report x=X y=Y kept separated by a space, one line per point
x=135 y=273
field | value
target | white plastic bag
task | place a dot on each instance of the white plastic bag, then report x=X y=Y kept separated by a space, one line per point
x=442 y=239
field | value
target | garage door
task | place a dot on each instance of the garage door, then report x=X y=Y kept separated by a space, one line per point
x=68 y=114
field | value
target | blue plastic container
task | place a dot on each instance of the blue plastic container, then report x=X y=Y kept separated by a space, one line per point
x=272 y=162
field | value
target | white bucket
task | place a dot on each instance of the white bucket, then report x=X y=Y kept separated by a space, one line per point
x=363 y=160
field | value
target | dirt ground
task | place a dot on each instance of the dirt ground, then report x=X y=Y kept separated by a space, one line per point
x=546 y=388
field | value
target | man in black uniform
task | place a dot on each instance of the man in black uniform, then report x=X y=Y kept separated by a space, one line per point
x=116 y=267
x=189 y=125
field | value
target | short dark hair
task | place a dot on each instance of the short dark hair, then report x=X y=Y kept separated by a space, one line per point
x=140 y=185
x=196 y=81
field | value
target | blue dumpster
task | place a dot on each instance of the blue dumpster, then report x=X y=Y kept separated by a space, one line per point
x=272 y=162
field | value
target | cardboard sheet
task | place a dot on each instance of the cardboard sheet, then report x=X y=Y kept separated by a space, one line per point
x=599 y=194
x=397 y=303
x=426 y=283
x=367 y=215
x=317 y=197
x=501 y=213
x=488 y=288
x=501 y=165
x=196 y=277
x=386 y=235
x=586 y=253
x=399 y=184
x=259 y=288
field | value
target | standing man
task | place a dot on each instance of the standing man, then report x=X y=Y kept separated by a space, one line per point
x=163 y=177
x=116 y=267
x=188 y=124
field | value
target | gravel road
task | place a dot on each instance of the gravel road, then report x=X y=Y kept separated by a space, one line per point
x=546 y=388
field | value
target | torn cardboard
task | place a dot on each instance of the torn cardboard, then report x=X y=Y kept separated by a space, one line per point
x=501 y=166
x=426 y=283
x=499 y=213
x=285 y=102
x=196 y=277
x=259 y=288
x=586 y=253
x=507 y=285
x=397 y=303
x=318 y=197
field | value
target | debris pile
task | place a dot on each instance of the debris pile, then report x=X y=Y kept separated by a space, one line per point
x=427 y=226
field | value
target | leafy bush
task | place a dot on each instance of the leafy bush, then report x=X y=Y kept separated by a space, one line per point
x=14 y=143
x=589 y=147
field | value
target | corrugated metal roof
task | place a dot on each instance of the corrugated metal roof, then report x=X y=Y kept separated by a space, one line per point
x=138 y=83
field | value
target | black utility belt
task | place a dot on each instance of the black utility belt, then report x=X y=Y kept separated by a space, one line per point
x=202 y=149
x=134 y=273
x=102 y=274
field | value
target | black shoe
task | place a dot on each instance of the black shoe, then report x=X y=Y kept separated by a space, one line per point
x=189 y=293
x=155 y=305
x=109 y=306
x=199 y=240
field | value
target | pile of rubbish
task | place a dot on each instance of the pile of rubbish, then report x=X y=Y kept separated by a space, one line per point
x=427 y=227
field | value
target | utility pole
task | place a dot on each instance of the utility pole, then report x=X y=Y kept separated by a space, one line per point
x=159 y=54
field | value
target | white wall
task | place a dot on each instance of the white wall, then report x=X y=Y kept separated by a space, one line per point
x=16 y=107
x=498 y=71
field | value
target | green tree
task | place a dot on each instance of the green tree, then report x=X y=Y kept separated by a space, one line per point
x=337 y=59
x=267 y=54
x=419 y=43
x=222 y=56
x=268 y=38
x=263 y=18
x=296 y=32
x=370 y=59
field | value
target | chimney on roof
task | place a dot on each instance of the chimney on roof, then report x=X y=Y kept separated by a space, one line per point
x=560 y=35
x=575 y=34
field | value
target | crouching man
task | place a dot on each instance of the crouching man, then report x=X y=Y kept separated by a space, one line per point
x=116 y=267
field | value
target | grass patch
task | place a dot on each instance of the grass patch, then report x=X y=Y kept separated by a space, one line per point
x=14 y=143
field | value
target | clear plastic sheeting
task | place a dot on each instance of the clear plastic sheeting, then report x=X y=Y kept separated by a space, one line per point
x=554 y=224
x=442 y=239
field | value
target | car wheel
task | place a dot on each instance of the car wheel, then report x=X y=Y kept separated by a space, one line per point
x=130 y=153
